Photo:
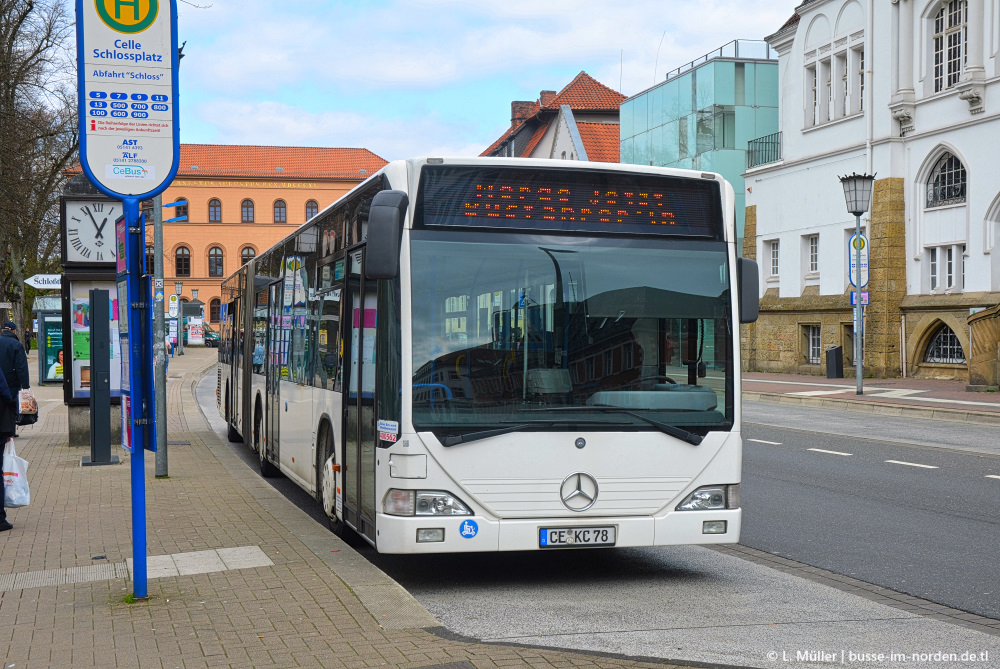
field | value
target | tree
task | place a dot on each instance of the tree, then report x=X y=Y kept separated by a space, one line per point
x=38 y=139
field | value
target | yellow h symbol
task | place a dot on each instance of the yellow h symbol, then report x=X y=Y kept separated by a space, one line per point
x=134 y=4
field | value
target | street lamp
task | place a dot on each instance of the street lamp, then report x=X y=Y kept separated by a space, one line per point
x=858 y=193
x=179 y=287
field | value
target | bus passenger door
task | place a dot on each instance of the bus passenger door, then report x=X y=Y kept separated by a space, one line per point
x=275 y=351
x=359 y=400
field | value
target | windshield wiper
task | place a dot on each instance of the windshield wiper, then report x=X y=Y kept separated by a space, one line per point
x=672 y=430
x=457 y=439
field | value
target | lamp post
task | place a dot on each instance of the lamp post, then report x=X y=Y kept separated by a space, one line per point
x=179 y=286
x=858 y=193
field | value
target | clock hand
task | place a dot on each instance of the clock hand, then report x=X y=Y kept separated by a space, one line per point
x=100 y=228
x=87 y=209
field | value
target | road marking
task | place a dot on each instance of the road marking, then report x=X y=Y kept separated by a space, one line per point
x=912 y=464
x=761 y=441
x=820 y=450
x=886 y=393
x=991 y=476
x=820 y=393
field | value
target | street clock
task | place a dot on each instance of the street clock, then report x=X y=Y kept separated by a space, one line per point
x=88 y=227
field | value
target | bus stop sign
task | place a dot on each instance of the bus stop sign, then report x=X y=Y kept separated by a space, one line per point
x=127 y=83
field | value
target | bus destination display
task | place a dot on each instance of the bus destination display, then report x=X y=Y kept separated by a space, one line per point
x=569 y=201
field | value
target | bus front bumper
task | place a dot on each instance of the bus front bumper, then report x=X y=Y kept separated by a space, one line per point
x=470 y=534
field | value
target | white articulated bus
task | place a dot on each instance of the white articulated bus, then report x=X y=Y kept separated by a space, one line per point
x=480 y=354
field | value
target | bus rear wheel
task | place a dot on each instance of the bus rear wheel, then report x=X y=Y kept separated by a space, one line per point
x=326 y=482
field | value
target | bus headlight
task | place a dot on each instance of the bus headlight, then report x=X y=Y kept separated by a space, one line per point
x=712 y=498
x=424 y=503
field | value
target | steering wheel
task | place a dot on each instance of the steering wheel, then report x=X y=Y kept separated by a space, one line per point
x=659 y=377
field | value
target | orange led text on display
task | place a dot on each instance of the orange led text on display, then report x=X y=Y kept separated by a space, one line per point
x=560 y=204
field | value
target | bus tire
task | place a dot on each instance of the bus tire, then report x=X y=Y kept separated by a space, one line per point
x=326 y=490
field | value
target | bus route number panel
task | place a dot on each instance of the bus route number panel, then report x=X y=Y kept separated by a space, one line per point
x=576 y=537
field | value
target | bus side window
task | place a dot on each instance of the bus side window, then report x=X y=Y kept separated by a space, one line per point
x=328 y=341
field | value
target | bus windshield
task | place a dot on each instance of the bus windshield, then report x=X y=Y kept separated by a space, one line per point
x=542 y=332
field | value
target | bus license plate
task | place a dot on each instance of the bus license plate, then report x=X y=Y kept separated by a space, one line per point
x=571 y=537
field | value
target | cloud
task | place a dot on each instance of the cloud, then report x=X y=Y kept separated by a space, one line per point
x=431 y=43
x=392 y=138
x=416 y=76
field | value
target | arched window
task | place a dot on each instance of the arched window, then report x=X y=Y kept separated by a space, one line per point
x=246 y=209
x=950 y=40
x=312 y=208
x=215 y=257
x=247 y=254
x=945 y=348
x=214 y=309
x=947 y=182
x=280 y=212
x=182 y=261
x=181 y=209
x=214 y=211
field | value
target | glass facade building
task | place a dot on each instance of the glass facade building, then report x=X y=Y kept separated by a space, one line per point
x=704 y=114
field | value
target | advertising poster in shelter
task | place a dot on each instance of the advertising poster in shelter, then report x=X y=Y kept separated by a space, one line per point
x=78 y=349
x=51 y=345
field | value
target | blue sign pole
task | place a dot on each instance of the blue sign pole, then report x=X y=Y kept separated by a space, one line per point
x=129 y=149
x=142 y=427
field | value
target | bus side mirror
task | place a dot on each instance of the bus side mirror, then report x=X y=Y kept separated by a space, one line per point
x=748 y=285
x=385 y=230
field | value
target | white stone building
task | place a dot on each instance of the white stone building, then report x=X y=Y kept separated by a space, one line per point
x=908 y=90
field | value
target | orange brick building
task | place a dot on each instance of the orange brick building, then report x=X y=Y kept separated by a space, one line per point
x=241 y=201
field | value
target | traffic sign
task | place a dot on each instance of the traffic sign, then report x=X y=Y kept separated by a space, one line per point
x=854 y=297
x=158 y=296
x=45 y=281
x=172 y=306
x=127 y=100
x=852 y=249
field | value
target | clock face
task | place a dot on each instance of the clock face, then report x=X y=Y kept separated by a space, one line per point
x=90 y=231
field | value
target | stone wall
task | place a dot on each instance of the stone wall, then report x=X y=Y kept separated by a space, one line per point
x=887 y=279
x=748 y=332
x=924 y=316
x=984 y=359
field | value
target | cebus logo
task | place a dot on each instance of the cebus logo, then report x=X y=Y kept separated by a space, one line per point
x=127 y=16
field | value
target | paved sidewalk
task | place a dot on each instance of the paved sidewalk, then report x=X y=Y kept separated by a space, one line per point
x=916 y=398
x=240 y=577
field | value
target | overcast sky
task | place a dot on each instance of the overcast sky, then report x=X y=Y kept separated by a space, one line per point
x=416 y=77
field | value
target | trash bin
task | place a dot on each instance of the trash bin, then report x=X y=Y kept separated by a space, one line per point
x=835 y=362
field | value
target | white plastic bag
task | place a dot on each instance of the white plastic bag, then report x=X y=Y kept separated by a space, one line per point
x=15 y=478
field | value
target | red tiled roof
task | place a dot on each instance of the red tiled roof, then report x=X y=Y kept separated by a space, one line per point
x=493 y=147
x=601 y=140
x=585 y=92
x=293 y=161
x=535 y=139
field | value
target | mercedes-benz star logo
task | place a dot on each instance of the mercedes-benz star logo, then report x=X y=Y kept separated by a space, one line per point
x=578 y=491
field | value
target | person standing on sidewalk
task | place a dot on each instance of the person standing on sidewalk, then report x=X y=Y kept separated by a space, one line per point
x=13 y=361
x=8 y=424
